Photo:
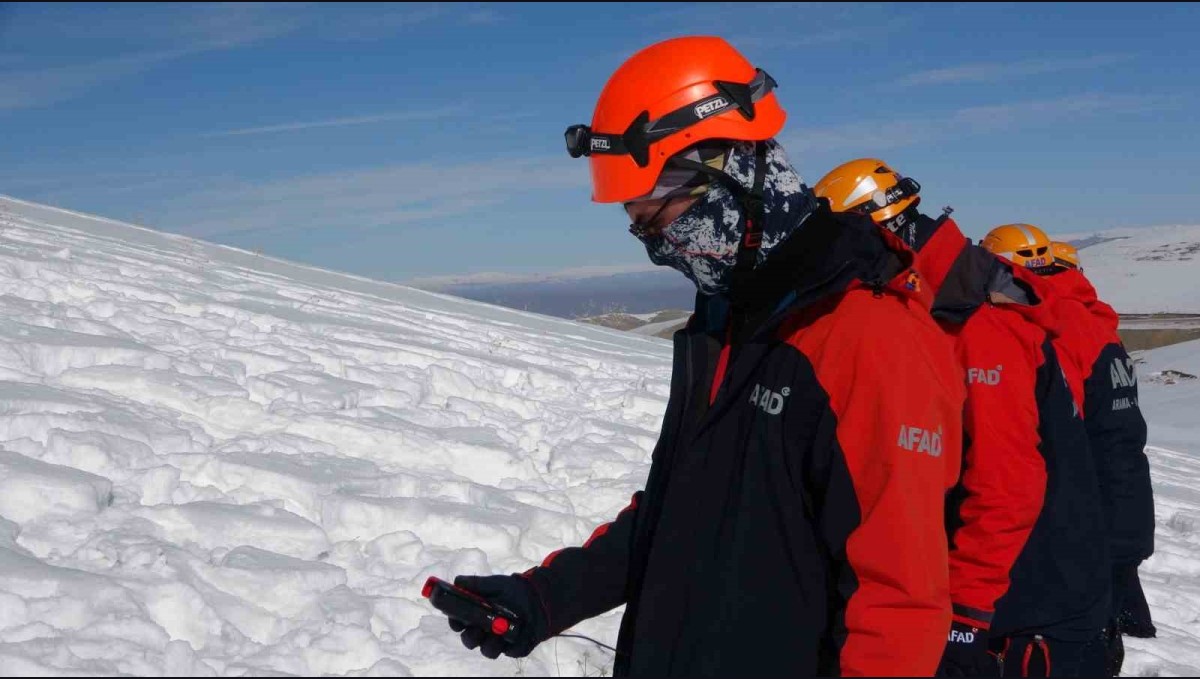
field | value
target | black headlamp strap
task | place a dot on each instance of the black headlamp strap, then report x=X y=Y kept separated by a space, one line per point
x=905 y=188
x=635 y=141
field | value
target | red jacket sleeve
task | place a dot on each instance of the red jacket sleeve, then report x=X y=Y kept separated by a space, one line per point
x=898 y=410
x=1003 y=482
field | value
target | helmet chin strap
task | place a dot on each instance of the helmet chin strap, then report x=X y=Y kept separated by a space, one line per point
x=751 y=228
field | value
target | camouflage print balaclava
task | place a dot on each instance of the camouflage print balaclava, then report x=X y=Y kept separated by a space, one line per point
x=702 y=242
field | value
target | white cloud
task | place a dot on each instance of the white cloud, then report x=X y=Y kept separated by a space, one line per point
x=127 y=44
x=352 y=24
x=893 y=133
x=989 y=72
x=374 y=23
x=125 y=41
x=431 y=114
x=368 y=198
x=37 y=87
x=483 y=16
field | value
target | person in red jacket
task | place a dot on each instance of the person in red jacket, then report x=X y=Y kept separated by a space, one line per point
x=1028 y=562
x=791 y=522
x=1105 y=387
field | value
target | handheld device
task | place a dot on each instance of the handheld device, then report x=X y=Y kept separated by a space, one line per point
x=470 y=608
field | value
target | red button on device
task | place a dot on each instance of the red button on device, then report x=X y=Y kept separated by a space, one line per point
x=499 y=626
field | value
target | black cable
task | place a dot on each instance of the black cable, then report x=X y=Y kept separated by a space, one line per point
x=580 y=636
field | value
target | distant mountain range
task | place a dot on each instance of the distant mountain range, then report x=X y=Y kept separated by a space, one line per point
x=575 y=296
x=1139 y=271
x=1148 y=270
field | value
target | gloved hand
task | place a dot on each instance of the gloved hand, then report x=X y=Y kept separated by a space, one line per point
x=1129 y=603
x=966 y=654
x=517 y=595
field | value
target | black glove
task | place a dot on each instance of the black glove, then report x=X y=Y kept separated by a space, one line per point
x=967 y=655
x=517 y=595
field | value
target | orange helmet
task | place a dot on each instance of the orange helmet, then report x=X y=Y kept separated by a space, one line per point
x=665 y=98
x=1022 y=244
x=868 y=186
x=1065 y=255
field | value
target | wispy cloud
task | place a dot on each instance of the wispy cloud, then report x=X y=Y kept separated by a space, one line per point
x=372 y=24
x=367 y=198
x=889 y=133
x=773 y=26
x=833 y=35
x=483 y=17
x=222 y=26
x=163 y=36
x=404 y=116
x=724 y=12
x=993 y=71
x=115 y=30
x=38 y=87
x=125 y=41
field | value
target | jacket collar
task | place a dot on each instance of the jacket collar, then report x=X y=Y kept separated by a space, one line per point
x=941 y=249
x=1073 y=285
x=964 y=277
x=824 y=256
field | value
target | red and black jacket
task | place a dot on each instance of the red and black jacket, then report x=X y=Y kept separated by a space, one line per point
x=792 y=521
x=1105 y=387
x=1028 y=553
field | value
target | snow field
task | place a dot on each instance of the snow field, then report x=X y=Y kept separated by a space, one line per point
x=213 y=463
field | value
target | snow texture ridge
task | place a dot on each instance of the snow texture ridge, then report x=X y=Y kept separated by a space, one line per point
x=215 y=463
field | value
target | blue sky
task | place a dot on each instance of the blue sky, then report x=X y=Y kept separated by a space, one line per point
x=415 y=140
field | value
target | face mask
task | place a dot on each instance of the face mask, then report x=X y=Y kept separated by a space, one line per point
x=702 y=243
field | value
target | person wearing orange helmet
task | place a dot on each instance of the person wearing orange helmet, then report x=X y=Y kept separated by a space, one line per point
x=1028 y=574
x=868 y=186
x=1105 y=386
x=1022 y=244
x=1066 y=256
x=791 y=522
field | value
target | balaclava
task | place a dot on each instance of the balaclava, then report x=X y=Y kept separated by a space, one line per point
x=702 y=243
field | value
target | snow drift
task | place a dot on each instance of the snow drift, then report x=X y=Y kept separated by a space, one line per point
x=218 y=463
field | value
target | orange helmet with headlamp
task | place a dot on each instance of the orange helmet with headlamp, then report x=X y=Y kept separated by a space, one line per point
x=664 y=99
x=868 y=186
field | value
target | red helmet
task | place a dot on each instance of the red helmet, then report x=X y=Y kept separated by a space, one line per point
x=670 y=96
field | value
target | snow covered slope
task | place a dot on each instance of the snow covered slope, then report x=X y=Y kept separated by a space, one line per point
x=1171 y=578
x=1146 y=270
x=216 y=462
